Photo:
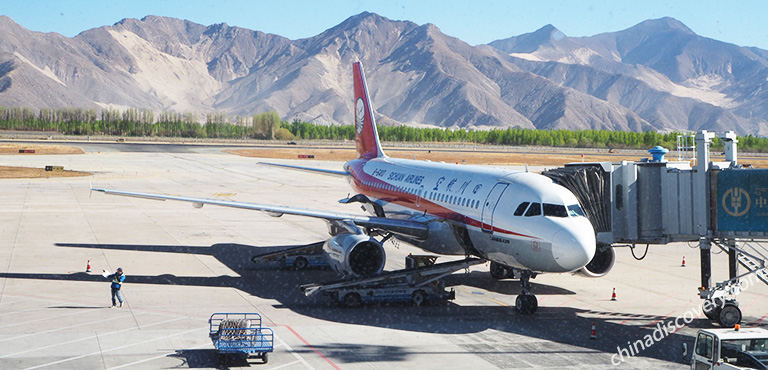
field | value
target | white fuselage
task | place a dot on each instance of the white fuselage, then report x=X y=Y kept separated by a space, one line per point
x=518 y=219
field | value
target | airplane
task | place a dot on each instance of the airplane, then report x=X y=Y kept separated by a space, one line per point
x=522 y=222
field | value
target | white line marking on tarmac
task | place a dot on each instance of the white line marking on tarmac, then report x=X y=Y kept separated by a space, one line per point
x=154 y=358
x=56 y=300
x=114 y=349
x=66 y=327
x=12 y=302
x=285 y=365
x=27 y=310
x=301 y=359
x=49 y=318
x=91 y=337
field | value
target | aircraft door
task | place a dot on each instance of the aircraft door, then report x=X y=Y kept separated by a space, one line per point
x=489 y=207
x=704 y=352
x=419 y=196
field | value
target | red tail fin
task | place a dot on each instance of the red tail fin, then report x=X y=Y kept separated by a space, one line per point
x=366 y=136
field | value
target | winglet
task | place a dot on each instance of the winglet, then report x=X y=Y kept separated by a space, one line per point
x=366 y=136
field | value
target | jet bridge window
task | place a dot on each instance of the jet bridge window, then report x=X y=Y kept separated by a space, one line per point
x=555 y=210
x=533 y=210
x=521 y=208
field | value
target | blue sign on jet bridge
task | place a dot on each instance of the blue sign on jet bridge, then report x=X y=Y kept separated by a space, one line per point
x=742 y=200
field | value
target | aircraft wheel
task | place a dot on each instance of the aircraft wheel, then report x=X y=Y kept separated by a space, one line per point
x=419 y=297
x=729 y=316
x=526 y=304
x=352 y=300
x=714 y=309
x=498 y=271
x=300 y=263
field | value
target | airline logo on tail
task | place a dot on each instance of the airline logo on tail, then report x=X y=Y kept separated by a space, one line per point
x=366 y=136
x=360 y=115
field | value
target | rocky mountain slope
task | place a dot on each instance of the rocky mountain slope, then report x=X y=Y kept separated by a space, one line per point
x=657 y=75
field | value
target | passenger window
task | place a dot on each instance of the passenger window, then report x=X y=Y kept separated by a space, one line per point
x=533 y=210
x=521 y=208
x=554 y=210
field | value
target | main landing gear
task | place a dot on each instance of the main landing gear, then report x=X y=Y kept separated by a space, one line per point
x=500 y=271
x=526 y=303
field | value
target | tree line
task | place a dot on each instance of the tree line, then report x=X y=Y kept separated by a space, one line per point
x=144 y=123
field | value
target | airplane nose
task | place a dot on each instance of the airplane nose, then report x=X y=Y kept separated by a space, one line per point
x=574 y=247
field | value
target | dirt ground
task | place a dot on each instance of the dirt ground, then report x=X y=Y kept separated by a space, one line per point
x=536 y=157
x=484 y=156
x=34 y=173
x=7 y=172
x=6 y=149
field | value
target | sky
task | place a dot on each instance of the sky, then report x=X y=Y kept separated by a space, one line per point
x=475 y=22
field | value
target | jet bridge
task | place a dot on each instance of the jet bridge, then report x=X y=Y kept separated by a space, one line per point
x=656 y=201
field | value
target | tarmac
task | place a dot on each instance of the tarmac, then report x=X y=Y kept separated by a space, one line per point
x=183 y=264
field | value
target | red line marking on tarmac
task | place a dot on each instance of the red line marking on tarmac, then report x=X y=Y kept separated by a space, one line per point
x=761 y=319
x=753 y=302
x=312 y=347
x=567 y=301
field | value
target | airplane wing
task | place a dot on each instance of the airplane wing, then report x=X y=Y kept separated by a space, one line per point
x=405 y=227
x=309 y=169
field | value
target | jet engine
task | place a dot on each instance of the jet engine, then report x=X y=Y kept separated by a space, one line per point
x=355 y=254
x=601 y=263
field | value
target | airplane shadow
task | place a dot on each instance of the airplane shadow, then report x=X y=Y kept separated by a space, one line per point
x=566 y=326
x=483 y=280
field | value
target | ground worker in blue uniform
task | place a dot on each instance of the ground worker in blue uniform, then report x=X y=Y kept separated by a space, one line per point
x=117 y=281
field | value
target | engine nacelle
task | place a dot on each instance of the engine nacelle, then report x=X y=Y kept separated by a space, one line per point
x=355 y=254
x=601 y=263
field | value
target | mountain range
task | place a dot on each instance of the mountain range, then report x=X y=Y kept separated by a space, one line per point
x=658 y=75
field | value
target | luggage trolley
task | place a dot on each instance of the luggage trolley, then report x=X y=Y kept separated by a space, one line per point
x=240 y=333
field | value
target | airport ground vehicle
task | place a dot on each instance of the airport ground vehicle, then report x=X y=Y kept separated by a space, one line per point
x=419 y=283
x=390 y=293
x=240 y=333
x=731 y=349
x=298 y=257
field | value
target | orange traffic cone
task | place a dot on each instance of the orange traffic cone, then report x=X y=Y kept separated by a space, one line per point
x=683 y=265
x=613 y=296
x=593 y=335
x=88 y=267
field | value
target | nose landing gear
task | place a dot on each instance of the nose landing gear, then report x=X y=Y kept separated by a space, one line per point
x=526 y=303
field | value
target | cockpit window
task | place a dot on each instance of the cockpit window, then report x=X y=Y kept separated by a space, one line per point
x=521 y=208
x=555 y=210
x=574 y=210
x=533 y=210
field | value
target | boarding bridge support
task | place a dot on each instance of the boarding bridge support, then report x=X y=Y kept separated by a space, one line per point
x=655 y=201
x=705 y=248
